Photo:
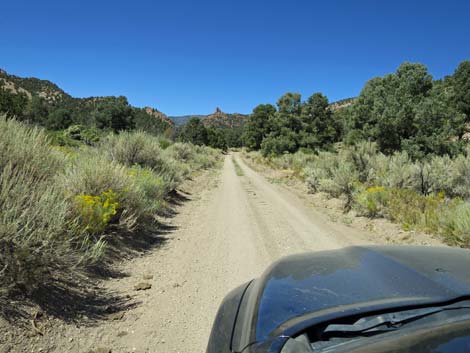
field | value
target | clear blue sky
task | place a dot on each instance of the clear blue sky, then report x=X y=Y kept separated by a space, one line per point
x=190 y=56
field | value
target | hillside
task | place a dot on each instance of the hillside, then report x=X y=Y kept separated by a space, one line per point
x=32 y=86
x=159 y=115
x=43 y=102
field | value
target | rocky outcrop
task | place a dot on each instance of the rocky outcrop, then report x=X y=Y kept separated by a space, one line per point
x=221 y=119
x=159 y=115
x=341 y=104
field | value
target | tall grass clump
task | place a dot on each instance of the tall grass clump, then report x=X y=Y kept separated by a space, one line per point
x=133 y=148
x=457 y=225
x=141 y=149
x=92 y=175
x=205 y=157
x=28 y=148
x=38 y=234
x=320 y=172
x=60 y=205
x=192 y=155
x=296 y=162
x=460 y=177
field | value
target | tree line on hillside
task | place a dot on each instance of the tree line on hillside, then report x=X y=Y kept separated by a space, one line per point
x=69 y=119
x=85 y=117
x=403 y=111
x=222 y=138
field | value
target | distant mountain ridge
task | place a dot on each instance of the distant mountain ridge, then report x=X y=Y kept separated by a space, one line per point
x=183 y=119
x=235 y=120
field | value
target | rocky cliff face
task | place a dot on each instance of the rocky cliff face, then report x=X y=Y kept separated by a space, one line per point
x=341 y=104
x=216 y=119
x=159 y=115
x=221 y=119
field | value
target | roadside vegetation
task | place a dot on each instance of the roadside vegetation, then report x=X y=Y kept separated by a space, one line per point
x=403 y=111
x=430 y=195
x=60 y=206
x=400 y=150
x=75 y=172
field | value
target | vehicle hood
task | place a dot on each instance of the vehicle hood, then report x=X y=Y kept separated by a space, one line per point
x=317 y=287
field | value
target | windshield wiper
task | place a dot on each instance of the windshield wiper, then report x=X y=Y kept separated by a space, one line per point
x=388 y=321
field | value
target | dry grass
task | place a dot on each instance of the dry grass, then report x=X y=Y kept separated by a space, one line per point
x=123 y=183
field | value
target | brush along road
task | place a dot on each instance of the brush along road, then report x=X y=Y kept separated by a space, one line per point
x=231 y=229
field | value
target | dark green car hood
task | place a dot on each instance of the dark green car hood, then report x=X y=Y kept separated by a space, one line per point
x=310 y=288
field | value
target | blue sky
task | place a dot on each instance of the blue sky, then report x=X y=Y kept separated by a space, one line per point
x=187 y=57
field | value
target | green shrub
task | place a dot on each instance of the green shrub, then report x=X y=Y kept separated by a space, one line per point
x=413 y=210
x=164 y=142
x=373 y=201
x=139 y=148
x=344 y=183
x=151 y=186
x=58 y=138
x=284 y=161
x=362 y=156
x=396 y=171
x=75 y=135
x=186 y=157
x=183 y=152
x=440 y=175
x=424 y=194
x=57 y=202
x=461 y=176
x=205 y=157
x=28 y=148
x=296 y=161
x=320 y=171
x=37 y=234
x=133 y=148
x=456 y=224
x=462 y=224
x=91 y=174
x=277 y=145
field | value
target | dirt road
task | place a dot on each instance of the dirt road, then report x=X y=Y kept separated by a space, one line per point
x=234 y=227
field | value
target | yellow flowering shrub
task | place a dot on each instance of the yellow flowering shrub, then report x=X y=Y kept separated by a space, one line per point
x=95 y=211
x=373 y=201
